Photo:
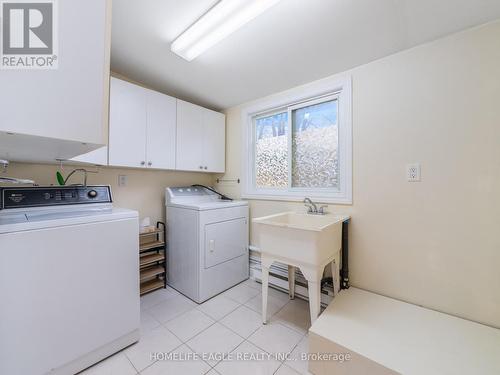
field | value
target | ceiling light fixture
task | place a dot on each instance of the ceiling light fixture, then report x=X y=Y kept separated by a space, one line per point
x=223 y=19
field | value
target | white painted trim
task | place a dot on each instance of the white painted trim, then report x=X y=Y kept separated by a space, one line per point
x=341 y=86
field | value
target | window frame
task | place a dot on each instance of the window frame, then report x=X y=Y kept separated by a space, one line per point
x=316 y=92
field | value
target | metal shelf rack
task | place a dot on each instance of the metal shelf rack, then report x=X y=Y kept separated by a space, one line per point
x=153 y=259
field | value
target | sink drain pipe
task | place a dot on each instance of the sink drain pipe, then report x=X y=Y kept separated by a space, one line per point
x=344 y=275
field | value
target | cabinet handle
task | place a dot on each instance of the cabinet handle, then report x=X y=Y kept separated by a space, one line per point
x=150 y=164
x=143 y=162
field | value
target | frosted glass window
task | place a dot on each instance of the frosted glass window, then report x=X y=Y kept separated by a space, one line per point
x=298 y=144
x=271 y=151
x=315 y=162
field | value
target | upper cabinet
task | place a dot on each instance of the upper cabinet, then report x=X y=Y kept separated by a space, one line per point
x=200 y=138
x=60 y=112
x=127 y=124
x=189 y=137
x=148 y=129
x=142 y=127
x=214 y=141
x=161 y=129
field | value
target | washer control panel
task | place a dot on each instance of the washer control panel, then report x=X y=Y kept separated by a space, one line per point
x=25 y=197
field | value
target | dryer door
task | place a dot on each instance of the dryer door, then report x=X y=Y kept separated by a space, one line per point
x=224 y=241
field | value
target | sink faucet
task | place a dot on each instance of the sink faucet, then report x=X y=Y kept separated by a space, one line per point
x=312 y=208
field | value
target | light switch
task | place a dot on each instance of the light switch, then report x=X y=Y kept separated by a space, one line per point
x=211 y=245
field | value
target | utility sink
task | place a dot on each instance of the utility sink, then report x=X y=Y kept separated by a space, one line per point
x=306 y=238
x=307 y=241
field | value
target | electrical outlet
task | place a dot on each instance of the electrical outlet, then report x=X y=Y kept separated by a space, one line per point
x=122 y=180
x=413 y=172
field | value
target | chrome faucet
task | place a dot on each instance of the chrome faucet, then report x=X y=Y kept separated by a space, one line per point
x=313 y=209
x=311 y=206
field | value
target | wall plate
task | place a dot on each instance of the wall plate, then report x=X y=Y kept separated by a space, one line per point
x=413 y=172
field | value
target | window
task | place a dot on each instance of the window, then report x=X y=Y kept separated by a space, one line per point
x=271 y=151
x=300 y=145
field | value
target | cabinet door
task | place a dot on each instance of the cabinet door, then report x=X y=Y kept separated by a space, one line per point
x=161 y=129
x=214 y=141
x=127 y=124
x=189 y=137
x=67 y=104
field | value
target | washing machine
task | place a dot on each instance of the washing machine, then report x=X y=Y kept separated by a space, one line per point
x=207 y=242
x=69 y=278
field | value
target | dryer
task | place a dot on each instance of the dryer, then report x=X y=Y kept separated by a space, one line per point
x=207 y=242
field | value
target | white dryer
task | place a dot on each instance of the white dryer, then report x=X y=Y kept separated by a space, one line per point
x=207 y=242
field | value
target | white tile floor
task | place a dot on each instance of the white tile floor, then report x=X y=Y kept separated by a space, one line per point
x=228 y=323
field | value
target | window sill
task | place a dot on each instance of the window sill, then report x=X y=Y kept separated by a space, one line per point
x=294 y=198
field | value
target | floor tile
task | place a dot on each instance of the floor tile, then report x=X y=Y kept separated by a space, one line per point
x=148 y=323
x=297 y=360
x=189 y=324
x=216 y=340
x=156 y=297
x=218 y=307
x=278 y=294
x=253 y=284
x=285 y=370
x=183 y=362
x=244 y=321
x=296 y=315
x=248 y=359
x=241 y=293
x=275 y=338
x=171 y=308
x=158 y=340
x=273 y=304
x=117 y=364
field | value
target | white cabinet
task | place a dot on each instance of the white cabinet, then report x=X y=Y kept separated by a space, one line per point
x=148 y=129
x=200 y=138
x=161 y=128
x=62 y=112
x=214 y=141
x=127 y=124
x=141 y=127
x=189 y=137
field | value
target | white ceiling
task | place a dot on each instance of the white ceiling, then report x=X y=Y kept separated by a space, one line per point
x=294 y=42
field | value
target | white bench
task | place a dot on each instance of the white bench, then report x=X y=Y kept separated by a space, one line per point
x=386 y=336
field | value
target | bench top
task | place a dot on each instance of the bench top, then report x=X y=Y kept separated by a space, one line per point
x=407 y=338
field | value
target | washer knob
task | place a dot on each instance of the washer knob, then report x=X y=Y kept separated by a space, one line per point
x=92 y=194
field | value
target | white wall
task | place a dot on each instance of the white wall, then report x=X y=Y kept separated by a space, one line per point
x=433 y=243
x=145 y=190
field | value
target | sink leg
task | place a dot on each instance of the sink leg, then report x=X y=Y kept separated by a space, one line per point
x=314 y=289
x=291 y=282
x=313 y=277
x=265 y=264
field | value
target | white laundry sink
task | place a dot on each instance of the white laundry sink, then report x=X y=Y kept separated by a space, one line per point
x=307 y=241
x=305 y=238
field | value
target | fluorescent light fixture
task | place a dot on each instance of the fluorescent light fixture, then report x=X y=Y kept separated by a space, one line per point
x=223 y=19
